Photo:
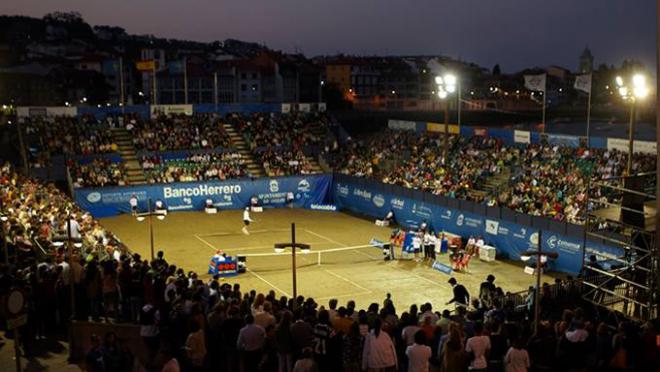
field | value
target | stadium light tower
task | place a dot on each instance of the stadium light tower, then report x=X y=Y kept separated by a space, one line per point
x=446 y=86
x=304 y=248
x=631 y=93
x=149 y=215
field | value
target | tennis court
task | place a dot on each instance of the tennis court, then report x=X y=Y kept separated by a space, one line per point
x=349 y=267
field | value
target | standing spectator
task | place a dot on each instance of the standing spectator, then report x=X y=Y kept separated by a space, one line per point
x=250 y=342
x=418 y=354
x=306 y=363
x=284 y=343
x=378 y=353
x=352 y=349
x=516 y=359
x=453 y=356
x=478 y=346
x=196 y=347
x=323 y=335
x=461 y=296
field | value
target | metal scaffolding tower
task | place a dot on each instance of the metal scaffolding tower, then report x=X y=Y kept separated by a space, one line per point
x=624 y=279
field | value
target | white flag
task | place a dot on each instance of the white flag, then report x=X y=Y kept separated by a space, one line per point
x=583 y=83
x=535 y=82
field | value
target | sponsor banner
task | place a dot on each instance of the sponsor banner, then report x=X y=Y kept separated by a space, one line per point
x=483 y=132
x=170 y=109
x=646 y=147
x=446 y=269
x=323 y=207
x=25 y=111
x=149 y=65
x=286 y=108
x=322 y=107
x=233 y=194
x=617 y=144
x=437 y=127
x=510 y=239
x=521 y=136
x=401 y=125
x=563 y=140
x=304 y=107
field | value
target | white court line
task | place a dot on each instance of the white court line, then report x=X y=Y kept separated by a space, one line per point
x=223 y=233
x=204 y=241
x=336 y=242
x=267 y=282
x=325 y=237
x=347 y=280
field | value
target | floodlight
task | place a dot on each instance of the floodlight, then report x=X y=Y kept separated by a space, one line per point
x=140 y=218
x=619 y=81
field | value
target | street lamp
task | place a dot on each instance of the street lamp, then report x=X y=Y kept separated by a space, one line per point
x=304 y=248
x=638 y=90
x=541 y=257
x=148 y=215
x=446 y=85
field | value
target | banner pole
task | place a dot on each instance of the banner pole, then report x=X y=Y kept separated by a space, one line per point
x=588 y=117
x=545 y=93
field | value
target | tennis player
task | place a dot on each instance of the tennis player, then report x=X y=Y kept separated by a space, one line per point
x=246 y=221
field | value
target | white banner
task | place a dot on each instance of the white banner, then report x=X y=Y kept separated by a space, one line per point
x=583 y=83
x=521 y=136
x=322 y=107
x=535 y=82
x=33 y=111
x=401 y=125
x=617 y=144
x=304 y=107
x=171 y=109
x=645 y=147
x=286 y=108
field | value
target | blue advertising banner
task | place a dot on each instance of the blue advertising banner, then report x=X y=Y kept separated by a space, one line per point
x=510 y=239
x=232 y=194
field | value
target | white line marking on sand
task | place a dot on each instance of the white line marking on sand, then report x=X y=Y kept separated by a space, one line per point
x=267 y=282
x=347 y=280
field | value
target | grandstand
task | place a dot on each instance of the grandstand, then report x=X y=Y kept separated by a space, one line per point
x=90 y=257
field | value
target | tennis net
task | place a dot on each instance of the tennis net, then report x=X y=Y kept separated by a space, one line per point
x=264 y=262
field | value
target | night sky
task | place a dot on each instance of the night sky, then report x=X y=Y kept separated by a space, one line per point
x=514 y=33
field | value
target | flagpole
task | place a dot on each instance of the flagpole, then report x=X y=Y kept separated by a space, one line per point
x=589 y=115
x=121 y=84
x=215 y=90
x=543 y=114
x=154 y=100
x=185 y=80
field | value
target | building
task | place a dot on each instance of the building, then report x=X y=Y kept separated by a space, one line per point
x=586 y=65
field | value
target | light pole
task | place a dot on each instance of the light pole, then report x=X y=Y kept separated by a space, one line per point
x=638 y=90
x=446 y=85
x=304 y=248
x=149 y=216
x=541 y=257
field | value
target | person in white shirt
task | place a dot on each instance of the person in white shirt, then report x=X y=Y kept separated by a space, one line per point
x=417 y=244
x=517 y=358
x=74 y=227
x=418 y=354
x=479 y=346
x=133 y=201
x=246 y=221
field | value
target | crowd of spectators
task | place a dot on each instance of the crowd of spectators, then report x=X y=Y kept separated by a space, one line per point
x=194 y=167
x=279 y=141
x=178 y=132
x=70 y=135
x=191 y=323
x=546 y=180
x=99 y=172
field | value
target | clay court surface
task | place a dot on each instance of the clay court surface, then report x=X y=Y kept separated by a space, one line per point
x=189 y=239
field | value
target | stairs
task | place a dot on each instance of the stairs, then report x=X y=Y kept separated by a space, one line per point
x=254 y=169
x=496 y=181
x=126 y=149
x=316 y=168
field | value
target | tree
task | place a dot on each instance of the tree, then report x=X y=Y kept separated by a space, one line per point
x=496 y=69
